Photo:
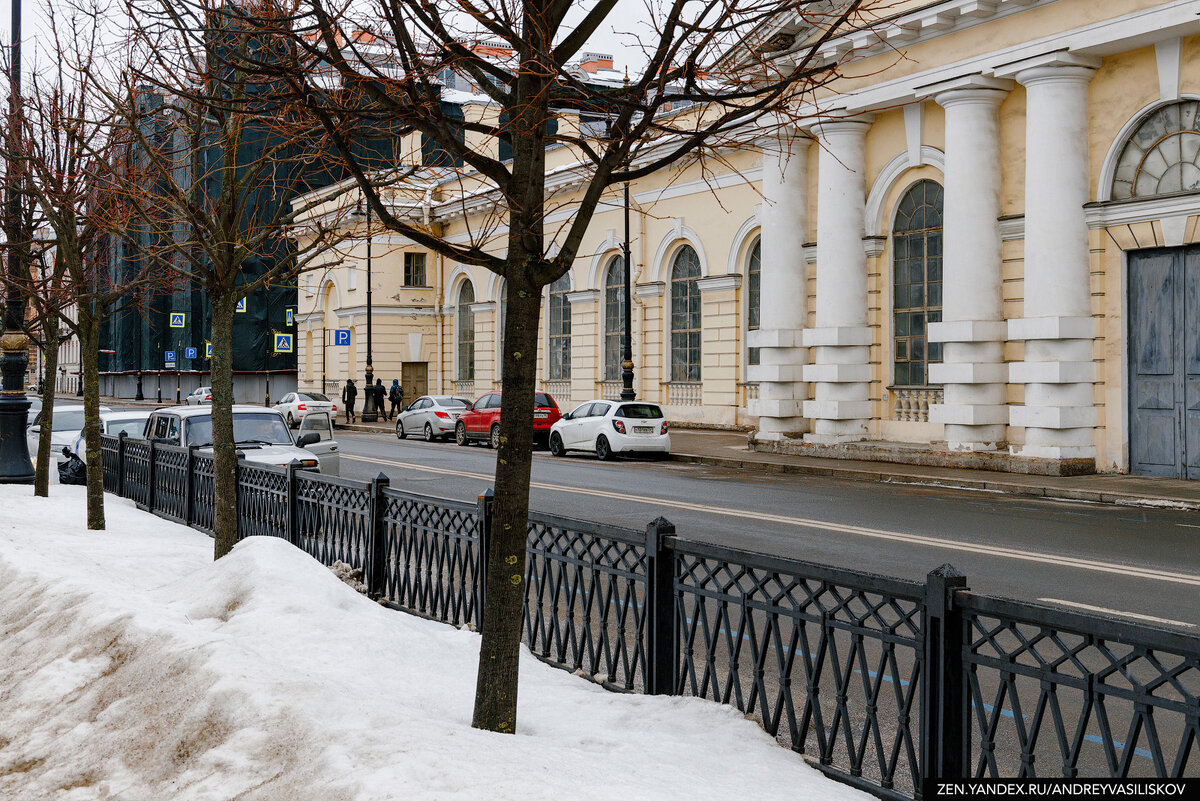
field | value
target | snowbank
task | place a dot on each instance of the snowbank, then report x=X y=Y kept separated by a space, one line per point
x=133 y=667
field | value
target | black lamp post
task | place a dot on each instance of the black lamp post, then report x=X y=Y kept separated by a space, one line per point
x=15 y=466
x=627 y=393
x=370 y=412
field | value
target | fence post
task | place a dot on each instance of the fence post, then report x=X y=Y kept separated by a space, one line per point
x=237 y=493
x=662 y=647
x=291 y=528
x=945 y=736
x=150 y=479
x=190 y=514
x=376 y=576
x=486 y=503
x=121 y=464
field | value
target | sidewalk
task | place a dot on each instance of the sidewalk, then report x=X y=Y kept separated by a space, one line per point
x=729 y=449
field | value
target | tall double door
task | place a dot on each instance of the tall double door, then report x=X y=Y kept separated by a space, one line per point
x=1164 y=362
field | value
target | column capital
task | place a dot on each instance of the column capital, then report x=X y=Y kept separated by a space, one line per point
x=970 y=90
x=1060 y=66
x=826 y=127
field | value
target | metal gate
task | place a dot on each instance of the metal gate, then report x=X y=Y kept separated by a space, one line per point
x=1164 y=362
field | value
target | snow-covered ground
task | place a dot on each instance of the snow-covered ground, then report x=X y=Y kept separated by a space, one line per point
x=133 y=667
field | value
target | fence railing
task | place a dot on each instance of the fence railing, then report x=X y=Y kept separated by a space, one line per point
x=881 y=682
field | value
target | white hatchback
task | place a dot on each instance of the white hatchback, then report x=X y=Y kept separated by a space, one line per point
x=607 y=428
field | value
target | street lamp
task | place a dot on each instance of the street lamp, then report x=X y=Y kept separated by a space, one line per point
x=15 y=466
x=627 y=393
x=370 y=412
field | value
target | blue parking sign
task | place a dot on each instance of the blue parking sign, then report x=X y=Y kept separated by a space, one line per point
x=169 y=356
x=189 y=353
x=283 y=343
x=341 y=336
x=177 y=319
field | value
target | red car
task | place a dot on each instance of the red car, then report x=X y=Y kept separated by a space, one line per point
x=482 y=420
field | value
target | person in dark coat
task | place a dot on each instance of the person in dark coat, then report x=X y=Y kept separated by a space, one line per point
x=380 y=398
x=396 y=396
x=349 y=396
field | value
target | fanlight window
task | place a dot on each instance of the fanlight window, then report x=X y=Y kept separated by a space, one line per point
x=1162 y=155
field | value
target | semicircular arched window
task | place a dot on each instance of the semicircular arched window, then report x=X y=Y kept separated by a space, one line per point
x=559 y=343
x=465 y=320
x=916 y=283
x=1163 y=154
x=614 y=317
x=685 y=316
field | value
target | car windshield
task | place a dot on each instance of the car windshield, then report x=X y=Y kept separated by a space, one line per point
x=314 y=396
x=639 y=411
x=131 y=428
x=67 y=421
x=251 y=427
x=542 y=399
x=452 y=403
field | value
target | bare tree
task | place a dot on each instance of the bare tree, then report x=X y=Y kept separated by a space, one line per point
x=717 y=74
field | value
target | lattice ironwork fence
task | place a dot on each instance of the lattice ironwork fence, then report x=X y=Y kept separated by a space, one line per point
x=881 y=683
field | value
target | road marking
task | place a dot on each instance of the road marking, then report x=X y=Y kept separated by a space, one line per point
x=1105 y=610
x=841 y=528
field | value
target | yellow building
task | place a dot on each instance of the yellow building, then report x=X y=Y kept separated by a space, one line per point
x=978 y=252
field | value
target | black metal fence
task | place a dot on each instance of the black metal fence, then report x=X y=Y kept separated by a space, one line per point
x=879 y=682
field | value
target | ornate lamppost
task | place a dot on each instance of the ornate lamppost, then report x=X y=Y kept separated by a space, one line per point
x=370 y=412
x=627 y=393
x=15 y=466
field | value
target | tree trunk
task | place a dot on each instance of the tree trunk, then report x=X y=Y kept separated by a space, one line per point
x=89 y=359
x=503 y=614
x=224 y=450
x=41 y=468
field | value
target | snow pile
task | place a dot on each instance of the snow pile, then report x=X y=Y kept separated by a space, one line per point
x=133 y=667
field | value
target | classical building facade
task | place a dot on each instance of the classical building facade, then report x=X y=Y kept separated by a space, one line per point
x=983 y=251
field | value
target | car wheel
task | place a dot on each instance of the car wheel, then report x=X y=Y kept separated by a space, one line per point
x=603 y=451
x=494 y=438
x=429 y=437
x=400 y=432
x=460 y=434
x=556 y=446
x=291 y=420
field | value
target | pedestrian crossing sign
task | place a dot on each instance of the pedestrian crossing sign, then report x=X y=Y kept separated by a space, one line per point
x=283 y=343
x=241 y=306
x=208 y=350
x=177 y=319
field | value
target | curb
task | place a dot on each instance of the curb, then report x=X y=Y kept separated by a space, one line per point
x=883 y=477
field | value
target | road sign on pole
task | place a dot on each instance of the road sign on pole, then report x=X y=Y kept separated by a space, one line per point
x=169 y=359
x=189 y=353
x=241 y=306
x=341 y=336
x=178 y=319
x=283 y=343
x=208 y=350
x=290 y=313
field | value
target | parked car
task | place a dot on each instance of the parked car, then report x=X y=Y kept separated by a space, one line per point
x=607 y=428
x=481 y=421
x=432 y=416
x=130 y=423
x=295 y=405
x=65 y=425
x=199 y=396
x=262 y=435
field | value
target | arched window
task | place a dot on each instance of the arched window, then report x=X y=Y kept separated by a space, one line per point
x=1162 y=155
x=465 y=325
x=685 y=316
x=560 y=330
x=614 y=317
x=917 y=283
x=753 y=295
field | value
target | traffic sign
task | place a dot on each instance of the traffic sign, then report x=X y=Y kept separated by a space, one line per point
x=341 y=336
x=169 y=356
x=189 y=353
x=291 y=316
x=283 y=343
x=208 y=350
x=241 y=306
x=177 y=319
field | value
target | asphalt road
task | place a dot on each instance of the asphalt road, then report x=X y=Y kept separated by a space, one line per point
x=1140 y=564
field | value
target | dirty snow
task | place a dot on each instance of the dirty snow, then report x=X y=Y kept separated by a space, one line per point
x=133 y=667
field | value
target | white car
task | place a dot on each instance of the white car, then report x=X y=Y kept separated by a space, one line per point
x=261 y=435
x=432 y=416
x=295 y=405
x=65 y=425
x=199 y=396
x=130 y=423
x=607 y=428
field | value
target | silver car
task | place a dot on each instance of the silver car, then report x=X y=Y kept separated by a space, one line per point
x=431 y=416
x=199 y=396
x=65 y=425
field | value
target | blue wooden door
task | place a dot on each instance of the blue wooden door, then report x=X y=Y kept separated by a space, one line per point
x=1164 y=362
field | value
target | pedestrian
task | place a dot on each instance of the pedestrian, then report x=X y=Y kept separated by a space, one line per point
x=396 y=396
x=349 y=396
x=380 y=398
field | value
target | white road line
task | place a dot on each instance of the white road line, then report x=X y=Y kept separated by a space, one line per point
x=1107 y=611
x=843 y=528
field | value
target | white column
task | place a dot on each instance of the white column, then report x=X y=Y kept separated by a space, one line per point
x=973 y=330
x=783 y=290
x=840 y=341
x=1059 y=414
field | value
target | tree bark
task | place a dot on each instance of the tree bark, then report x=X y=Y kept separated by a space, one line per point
x=503 y=614
x=89 y=359
x=224 y=449
x=41 y=468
